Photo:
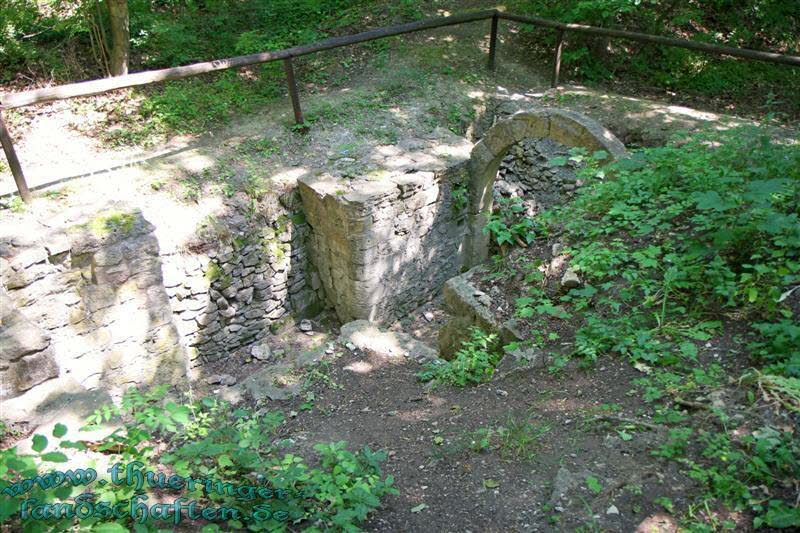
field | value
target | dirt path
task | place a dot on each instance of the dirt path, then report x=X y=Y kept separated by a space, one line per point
x=517 y=454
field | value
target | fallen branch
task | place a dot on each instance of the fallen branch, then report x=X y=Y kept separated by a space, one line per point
x=689 y=403
x=632 y=421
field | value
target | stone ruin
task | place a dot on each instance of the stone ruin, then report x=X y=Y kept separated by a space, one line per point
x=385 y=248
x=102 y=305
x=529 y=173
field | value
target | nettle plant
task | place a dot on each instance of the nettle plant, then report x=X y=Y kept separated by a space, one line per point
x=509 y=225
x=210 y=439
x=474 y=362
x=682 y=235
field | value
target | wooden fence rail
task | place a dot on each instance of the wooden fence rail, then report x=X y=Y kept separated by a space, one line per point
x=88 y=88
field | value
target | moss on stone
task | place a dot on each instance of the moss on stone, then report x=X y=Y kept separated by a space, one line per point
x=112 y=222
x=213 y=273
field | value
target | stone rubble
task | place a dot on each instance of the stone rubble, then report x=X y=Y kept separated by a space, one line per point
x=529 y=172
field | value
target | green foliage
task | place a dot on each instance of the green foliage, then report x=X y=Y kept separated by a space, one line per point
x=739 y=474
x=509 y=224
x=474 y=363
x=519 y=438
x=460 y=195
x=683 y=233
x=682 y=239
x=211 y=439
x=195 y=105
x=755 y=24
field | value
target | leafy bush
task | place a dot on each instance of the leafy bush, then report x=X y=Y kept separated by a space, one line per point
x=210 y=439
x=474 y=363
x=686 y=232
x=509 y=224
x=755 y=24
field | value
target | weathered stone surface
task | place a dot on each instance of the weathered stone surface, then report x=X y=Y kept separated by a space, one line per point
x=366 y=336
x=18 y=336
x=570 y=279
x=384 y=247
x=261 y=352
x=25 y=357
x=462 y=299
x=221 y=379
x=452 y=335
x=262 y=385
x=104 y=302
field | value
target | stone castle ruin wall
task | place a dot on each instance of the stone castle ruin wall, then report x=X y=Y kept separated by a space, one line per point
x=102 y=305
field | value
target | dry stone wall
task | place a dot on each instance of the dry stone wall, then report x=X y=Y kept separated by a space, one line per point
x=92 y=299
x=101 y=306
x=228 y=295
x=529 y=172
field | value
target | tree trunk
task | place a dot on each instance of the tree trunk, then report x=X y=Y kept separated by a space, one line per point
x=120 y=36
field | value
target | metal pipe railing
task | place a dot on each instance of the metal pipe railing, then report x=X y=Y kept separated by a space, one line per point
x=88 y=88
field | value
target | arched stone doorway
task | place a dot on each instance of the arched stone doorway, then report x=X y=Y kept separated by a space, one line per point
x=565 y=127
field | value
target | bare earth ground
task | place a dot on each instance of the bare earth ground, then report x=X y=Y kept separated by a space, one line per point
x=544 y=437
x=500 y=488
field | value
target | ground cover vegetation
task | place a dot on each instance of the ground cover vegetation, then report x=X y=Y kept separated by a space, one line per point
x=754 y=24
x=62 y=41
x=682 y=246
x=207 y=439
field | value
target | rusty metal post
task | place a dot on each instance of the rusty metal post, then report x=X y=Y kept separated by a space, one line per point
x=295 y=96
x=557 y=58
x=493 y=42
x=13 y=161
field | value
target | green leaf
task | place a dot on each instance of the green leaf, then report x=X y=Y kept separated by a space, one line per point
x=689 y=350
x=593 y=485
x=39 y=443
x=109 y=527
x=224 y=460
x=710 y=200
x=624 y=435
x=181 y=415
x=418 y=508
x=59 y=430
x=54 y=457
x=752 y=294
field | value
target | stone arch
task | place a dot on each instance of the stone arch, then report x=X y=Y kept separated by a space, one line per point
x=566 y=127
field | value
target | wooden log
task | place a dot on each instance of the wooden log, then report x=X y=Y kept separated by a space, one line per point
x=13 y=161
x=557 y=58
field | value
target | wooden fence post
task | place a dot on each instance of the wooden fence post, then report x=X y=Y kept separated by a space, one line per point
x=493 y=41
x=557 y=58
x=295 y=96
x=13 y=161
